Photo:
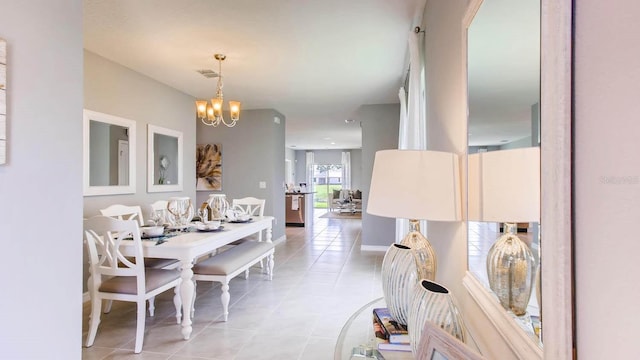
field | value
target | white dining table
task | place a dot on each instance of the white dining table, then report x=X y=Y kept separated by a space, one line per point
x=188 y=246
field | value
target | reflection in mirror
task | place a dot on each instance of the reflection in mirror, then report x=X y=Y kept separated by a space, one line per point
x=109 y=154
x=164 y=159
x=504 y=97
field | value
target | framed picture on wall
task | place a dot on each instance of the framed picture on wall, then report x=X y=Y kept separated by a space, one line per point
x=208 y=167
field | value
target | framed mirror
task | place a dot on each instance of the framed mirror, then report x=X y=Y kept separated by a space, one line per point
x=109 y=153
x=164 y=159
x=503 y=69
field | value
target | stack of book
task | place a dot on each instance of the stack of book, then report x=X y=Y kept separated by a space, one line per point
x=390 y=334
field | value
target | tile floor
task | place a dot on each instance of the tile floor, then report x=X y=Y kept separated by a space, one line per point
x=321 y=277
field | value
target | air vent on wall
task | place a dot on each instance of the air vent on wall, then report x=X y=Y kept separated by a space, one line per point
x=208 y=73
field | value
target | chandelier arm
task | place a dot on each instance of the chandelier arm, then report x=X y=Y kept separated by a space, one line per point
x=230 y=124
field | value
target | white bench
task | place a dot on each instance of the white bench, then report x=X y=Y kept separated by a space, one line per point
x=228 y=264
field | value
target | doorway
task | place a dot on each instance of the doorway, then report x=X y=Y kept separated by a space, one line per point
x=326 y=178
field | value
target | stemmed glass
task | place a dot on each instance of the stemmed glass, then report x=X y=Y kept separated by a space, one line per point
x=181 y=209
x=156 y=217
x=203 y=213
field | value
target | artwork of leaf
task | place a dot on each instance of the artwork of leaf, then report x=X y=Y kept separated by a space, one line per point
x=209 y=167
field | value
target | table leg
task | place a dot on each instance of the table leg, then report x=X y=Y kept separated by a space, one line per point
x=186 y=293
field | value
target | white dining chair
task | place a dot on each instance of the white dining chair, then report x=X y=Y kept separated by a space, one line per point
x=253 y=207
x=116 y=277
x=124 y=212
x=134 y=212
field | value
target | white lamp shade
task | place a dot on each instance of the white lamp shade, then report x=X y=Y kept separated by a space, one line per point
x=504 y=186
x=415 y=184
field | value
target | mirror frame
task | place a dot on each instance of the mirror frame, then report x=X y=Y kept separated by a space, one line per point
x=88 y=190
x=152 y=130
x=556 y=193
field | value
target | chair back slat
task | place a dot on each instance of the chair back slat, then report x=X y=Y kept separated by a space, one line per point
x=124 y=212
x=250 y=205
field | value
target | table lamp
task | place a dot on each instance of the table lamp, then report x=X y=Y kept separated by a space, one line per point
x=504 y=186
x=415 y=185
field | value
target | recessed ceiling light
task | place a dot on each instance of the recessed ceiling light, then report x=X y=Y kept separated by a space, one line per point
x=332 y=143
x=327 y=138
x=348 y=121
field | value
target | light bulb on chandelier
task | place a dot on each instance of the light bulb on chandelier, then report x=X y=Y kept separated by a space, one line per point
x=211 y=113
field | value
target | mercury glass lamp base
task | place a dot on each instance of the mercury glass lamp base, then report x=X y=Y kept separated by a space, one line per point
x=511 y=271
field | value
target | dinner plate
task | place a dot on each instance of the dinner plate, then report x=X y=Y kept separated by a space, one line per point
x=211 y=230
x=178 y=227
x=145 y=237
x=240 y=221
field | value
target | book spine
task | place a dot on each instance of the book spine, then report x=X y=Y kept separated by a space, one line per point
x=378 y=329
x=379 y=321
x=392 y=332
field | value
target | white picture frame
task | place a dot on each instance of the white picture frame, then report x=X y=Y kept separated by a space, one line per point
x=164 y=159
x=94 y=182
x=437 y=344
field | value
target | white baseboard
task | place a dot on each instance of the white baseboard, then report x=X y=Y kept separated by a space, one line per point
x=280 y=239
x=382 y=248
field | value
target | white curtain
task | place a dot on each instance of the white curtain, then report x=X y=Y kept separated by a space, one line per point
x=346 y=170
x=413 y=122
x=309 y=166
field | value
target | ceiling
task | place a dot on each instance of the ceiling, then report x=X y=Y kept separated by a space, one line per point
x=504 y=70
x=315 y=61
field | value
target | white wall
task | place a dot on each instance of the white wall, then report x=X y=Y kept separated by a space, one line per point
x=41 y=298
x=606 y=178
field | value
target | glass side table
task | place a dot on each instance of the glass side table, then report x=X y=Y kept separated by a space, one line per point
x=357 y=340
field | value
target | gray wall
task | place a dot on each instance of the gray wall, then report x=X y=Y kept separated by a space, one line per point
x=301 y=166
x=380 y=124
x=41 y=288
x=113 y=89
x=252 y=151
x=324 y=157
x=356 y=168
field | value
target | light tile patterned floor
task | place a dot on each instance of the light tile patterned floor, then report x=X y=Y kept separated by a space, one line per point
x=321 y=277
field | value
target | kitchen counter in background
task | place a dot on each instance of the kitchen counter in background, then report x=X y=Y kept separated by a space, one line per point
x=299 y=208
